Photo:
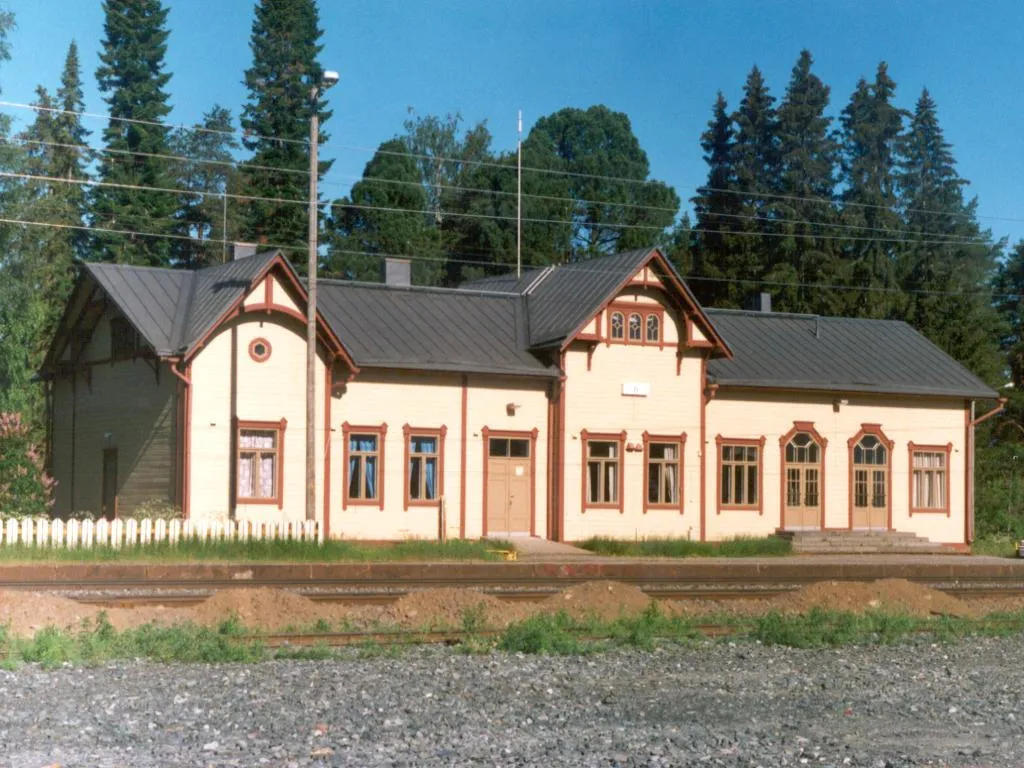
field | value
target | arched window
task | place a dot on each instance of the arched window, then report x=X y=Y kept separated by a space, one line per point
x=653 y=328
x=618 y=326
x=635 y=327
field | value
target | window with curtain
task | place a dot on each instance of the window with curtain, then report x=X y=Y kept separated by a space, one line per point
x=258 y=456
x=603 y=472
x=740 y=467
x=363 y=467
x=423 y=467
x=870 y=472
x=663 y=473
x=928 y=488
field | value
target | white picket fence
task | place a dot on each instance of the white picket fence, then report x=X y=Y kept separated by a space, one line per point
x=41 y=532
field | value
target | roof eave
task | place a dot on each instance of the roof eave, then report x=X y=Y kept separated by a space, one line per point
x=841 y=388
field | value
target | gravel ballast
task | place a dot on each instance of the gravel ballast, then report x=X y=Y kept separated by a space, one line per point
x=713 y=705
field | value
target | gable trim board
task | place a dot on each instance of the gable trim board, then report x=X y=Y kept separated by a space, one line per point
x=427 y=357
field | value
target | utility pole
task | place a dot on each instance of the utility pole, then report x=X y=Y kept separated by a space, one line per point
x=519 y=199
x=329 y=78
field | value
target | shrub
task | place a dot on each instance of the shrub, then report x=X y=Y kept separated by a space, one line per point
x=154 y=509
x=26 y=490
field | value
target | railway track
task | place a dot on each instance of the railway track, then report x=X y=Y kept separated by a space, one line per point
x=120 y=595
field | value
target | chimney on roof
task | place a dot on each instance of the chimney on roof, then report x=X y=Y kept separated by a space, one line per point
x=243 y=250
x=759 y=302
x=397 y=272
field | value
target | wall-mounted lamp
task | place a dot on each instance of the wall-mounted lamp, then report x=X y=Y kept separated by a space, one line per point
x=510 y=408
x=839 y=401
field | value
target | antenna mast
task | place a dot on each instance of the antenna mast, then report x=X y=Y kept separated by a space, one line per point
x=519 y=199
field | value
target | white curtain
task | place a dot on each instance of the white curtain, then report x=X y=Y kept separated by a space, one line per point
x=249 y=443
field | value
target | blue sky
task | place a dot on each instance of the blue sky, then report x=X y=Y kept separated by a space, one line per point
x=659 y=62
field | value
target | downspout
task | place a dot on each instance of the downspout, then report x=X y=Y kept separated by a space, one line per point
x=974 y=422
x=186 y=433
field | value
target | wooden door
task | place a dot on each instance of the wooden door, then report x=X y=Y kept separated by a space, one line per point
x=803 y=497
x=870 y=498
x=508 y=485
x=108 y=500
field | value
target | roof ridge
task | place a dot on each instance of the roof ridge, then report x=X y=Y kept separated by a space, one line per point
x=416 y=288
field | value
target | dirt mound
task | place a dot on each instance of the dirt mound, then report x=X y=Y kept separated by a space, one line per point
x=448 y=608
x=893 y=595
x=27 y=612
x=606 y=600
x=260 y=607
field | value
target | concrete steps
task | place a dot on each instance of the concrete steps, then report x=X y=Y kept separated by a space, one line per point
x=860 y=542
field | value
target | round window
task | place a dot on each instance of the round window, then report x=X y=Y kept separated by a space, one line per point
x=259 y=350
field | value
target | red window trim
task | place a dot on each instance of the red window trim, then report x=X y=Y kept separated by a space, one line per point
x=680 y=439
x=256 y=356
x=486 y=433
x=876 y=430
x=610 y=437
x=643 y=310
x=277 y=426
x=798 y=427
x=439 y=434
x=913 y=448
x=759 y=443
x=381 y=431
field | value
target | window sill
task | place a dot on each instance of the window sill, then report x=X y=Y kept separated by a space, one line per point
x=663 y=508
x=276 y=501
x=930 y=511
x=615 y=505
x=362 y=502
x=741 y=508
x=422 y=503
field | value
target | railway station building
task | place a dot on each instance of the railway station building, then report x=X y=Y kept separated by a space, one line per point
x=594 y=398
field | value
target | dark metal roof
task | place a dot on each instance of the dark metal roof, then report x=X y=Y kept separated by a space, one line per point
x=430 y=328
x=174 y=308
x=777 y=350
x=148 y=297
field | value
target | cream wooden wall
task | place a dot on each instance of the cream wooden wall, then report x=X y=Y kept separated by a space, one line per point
x=595 y=402
x=146 y=442
x=925 y=421
x=267 y=391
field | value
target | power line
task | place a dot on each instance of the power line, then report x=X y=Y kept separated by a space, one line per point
x=558 y=222
x=508 y=266
x=483 y=163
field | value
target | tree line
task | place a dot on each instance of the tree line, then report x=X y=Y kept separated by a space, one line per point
x=863 y=214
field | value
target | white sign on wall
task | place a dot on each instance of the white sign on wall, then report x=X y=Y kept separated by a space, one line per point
x=635 y=389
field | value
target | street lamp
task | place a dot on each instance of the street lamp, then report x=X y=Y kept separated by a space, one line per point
x=327 y=79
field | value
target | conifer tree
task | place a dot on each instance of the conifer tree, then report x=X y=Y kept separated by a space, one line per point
x=945 y=284
x=716 y=206
x=206 y=175
x=871 y=126
x=276 y=118
x=808 y=153
x=132 y=76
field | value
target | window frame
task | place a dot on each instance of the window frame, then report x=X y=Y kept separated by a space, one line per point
x=645 y=311
x=255 y=355
x=679 y=440
x=380 y=431
x=806 y=427
x=746 y=442
x=876 y=431
x=438 y=434
x=947 y=451
x=263 y=426
x=619 y=438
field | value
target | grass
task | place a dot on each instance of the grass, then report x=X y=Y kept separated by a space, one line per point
x=97 y=642
x=667 y=547
x=995 y=546
x=190 y=550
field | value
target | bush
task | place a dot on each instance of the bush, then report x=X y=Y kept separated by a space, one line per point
x=26 y=490
x=154 y=509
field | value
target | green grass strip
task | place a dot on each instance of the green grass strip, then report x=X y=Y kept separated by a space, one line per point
x=261 y=551
x=668 y=547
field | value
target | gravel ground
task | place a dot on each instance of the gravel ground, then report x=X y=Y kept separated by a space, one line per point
x=714 y=705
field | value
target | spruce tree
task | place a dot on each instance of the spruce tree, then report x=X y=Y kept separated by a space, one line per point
x=945 y=284
x=276 y=118
x=871 y=126
x=717 y=207
x=132 y=75
x=808 y=154
x=206 y=175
